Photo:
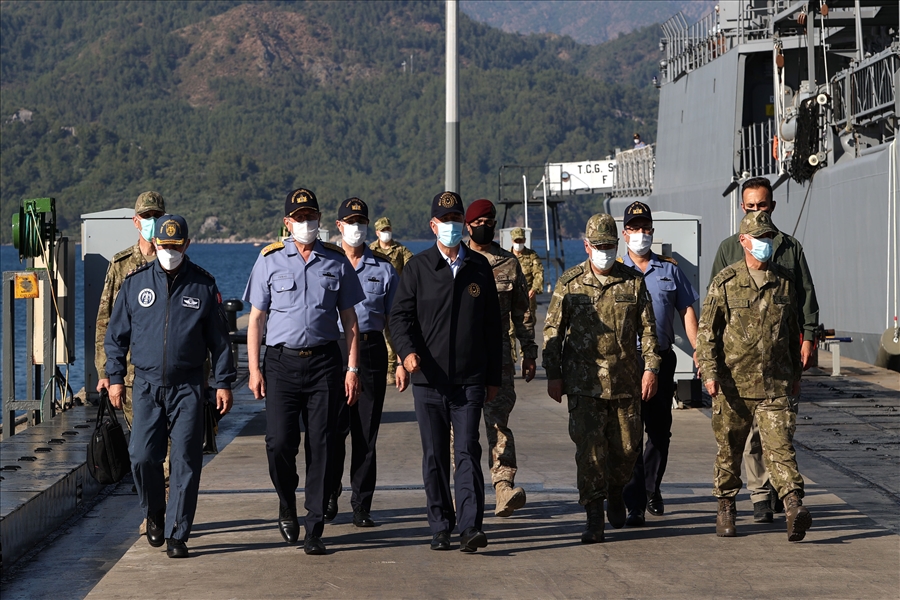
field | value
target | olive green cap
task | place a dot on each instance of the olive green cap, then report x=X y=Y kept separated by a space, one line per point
x=757 y=223
x=517 y=234
x=382 y=223
x=149 y=201
x=601 y=229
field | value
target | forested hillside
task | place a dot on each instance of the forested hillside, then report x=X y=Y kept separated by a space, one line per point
x=223 y=107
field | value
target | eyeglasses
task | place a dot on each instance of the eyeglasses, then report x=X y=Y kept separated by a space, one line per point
x=645 y=229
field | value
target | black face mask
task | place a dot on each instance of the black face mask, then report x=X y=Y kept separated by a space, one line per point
x=483 y=234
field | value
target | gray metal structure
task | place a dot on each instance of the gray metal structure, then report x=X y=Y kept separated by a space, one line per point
x=451 y=176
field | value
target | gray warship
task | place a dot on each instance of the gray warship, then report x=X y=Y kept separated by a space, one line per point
x=803 y=93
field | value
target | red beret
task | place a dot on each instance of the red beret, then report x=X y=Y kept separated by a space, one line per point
x=480 y=208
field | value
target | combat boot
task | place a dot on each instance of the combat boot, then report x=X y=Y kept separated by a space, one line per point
x=725 y=519
x=615 y=508
x=593 y=534
x=797 y=517
x=509 y=499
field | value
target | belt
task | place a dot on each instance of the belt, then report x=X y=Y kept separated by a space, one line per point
x=302 y=352
x=371 y=335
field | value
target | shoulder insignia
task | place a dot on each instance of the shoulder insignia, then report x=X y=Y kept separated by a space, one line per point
x=571 y=274
x=143 y=267
x=272 y=248
x=126 y=253
x=203 y=271
x=379 y=255
x=619 y=259
x=334 y=247
x=667 y=259
x=723 y=276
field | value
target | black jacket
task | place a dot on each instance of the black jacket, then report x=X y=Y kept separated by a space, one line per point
x=452 y=324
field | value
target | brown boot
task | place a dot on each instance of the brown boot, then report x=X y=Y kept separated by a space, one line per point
x=593 y=534
x=797 y=517
x=725 y=519
x=509 y=499
x=615 y=508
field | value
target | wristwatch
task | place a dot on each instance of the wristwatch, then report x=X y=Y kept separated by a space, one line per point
x=654 y=371
x=353 y=369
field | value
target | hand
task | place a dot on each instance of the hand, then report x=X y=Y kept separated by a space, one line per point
x=528 y=368
x=806 y=350
x=257 y=384
x=696 y=364
x=555 y=389
x=648 y=386
x=224 y=401
x=401 y=377
x=351 y=388
x=492 y=391
x=532 y=294
x=795 y=390
x=411 y=363
x=117 y=395
x=103 y=384
x=712 y=387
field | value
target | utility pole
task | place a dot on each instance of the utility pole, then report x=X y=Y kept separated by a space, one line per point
x=451 y=176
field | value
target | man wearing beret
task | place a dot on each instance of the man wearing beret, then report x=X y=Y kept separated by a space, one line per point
x=748 y=350
x=597 y=311
x=399 y=255
x=481 y=220
x=446 y=327
x=298 y=289
x=169 y=314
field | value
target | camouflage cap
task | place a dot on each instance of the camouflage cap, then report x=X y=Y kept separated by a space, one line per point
x=757 y=223
x=601 y=229
x=382 y=223
x=149 y=201
x=517 y=234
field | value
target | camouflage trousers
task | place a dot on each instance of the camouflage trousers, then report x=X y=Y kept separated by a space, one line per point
x=607 y=436
x=502 y=455
x=732 y=419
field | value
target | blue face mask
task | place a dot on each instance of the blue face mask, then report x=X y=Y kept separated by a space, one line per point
x=449 y=233
x=147 y=227
x=761 y=249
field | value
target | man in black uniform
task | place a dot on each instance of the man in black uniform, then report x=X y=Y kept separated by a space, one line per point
x=446 y=329
x=169 y=314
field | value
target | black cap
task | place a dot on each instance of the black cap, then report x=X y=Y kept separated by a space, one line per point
x=446 y=203
x=171 y=229
x=637 y=210
x=353 y=207
x=300 y=198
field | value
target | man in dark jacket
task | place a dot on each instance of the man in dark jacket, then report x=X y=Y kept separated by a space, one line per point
x=446 y=329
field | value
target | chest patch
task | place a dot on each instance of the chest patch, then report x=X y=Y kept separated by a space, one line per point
x=189 y=302
x=630 y=298
x=146 y=297
x=474 y=290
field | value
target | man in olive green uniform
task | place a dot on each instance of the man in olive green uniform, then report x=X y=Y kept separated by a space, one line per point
x=756 y=195
x=399 y=255
x=513 y=292
x=748 y=350
x=597 y=311
x=533 y=269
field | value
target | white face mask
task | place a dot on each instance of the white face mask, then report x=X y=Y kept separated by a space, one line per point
x=305 y=232
x=639 y=243
x=603 y=259
x=518 y=247
x=385 y=236
x=354 y=234
x=169 y=259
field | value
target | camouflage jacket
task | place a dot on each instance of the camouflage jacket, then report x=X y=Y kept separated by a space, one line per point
x=533 y=269
x=514 y=305
x=121 y=265
x=590 y=331
x=749 y=338
x=398 y=254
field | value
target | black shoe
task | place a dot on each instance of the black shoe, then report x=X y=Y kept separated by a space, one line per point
x=440 y=540
x=288 y=525
x=361 y=518
x=331 y=510
x=762 y=512
x=313 y=544
x=176 y=549
x=635 y=518
x=615 y=509
x=655 y=505
x=471 y=540
x=156 y=537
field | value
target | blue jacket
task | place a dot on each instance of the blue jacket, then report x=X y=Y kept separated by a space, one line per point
x=169 y=324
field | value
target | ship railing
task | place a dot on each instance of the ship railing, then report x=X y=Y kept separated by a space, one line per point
x=634 y=172
x=865 y=93
x=756 y=156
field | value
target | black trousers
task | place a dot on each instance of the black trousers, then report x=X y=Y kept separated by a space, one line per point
x=361 y=421
x=656 y=415
x=312 y=389
x=436 y=409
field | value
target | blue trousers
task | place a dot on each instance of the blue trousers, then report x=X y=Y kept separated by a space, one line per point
x=436 y=409
x=161 y=413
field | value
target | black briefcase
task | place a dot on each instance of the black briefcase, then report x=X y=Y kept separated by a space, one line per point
x=211 y=418
x=107 y=452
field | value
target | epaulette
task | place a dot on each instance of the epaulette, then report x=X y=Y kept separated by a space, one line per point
x=378 y=254
x=334 y=247
x=571 y=274
x=723 y=276
x=203 y=271
x=123 y=254
x=272 y=248
x=619 y=259
x=667 y=259
x=139 y=269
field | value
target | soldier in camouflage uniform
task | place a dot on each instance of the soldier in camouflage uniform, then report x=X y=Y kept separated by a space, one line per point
x=597 y=311
x=513 y=292
x=399 y=255
x=533 y=269
x=748 y=350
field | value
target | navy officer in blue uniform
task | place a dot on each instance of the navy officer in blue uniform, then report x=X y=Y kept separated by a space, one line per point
x=169 y=315
x=445 y=326
x=297 y=291
x=671 y=293
x=361 y=421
